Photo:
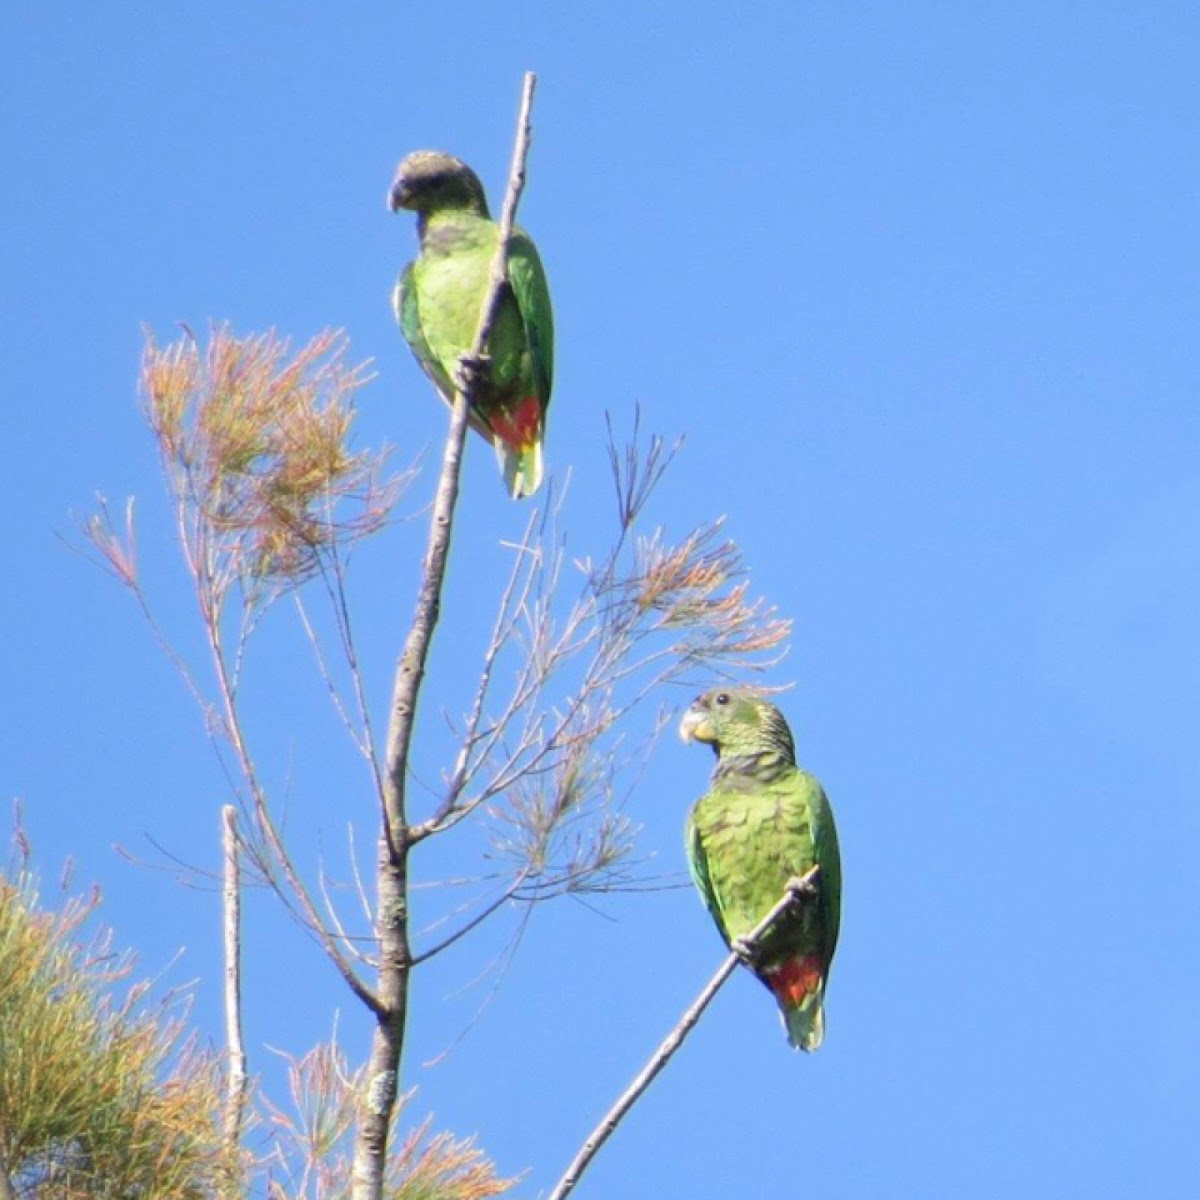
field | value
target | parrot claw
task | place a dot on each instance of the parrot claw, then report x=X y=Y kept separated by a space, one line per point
x=473 y=372
x=804 y=887
x=744 y=950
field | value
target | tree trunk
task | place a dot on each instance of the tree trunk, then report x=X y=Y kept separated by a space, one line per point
x=381 y=1084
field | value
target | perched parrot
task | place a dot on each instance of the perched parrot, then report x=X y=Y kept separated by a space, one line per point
x=439 y=297
x=763 y=822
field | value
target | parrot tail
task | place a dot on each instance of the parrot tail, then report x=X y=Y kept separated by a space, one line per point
x=518 y=442
x=798 y=984
x=522 y=468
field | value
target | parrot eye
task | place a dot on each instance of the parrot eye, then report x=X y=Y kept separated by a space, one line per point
x=722 y=698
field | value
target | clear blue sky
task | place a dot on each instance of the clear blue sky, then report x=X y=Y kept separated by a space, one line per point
x=920 y=284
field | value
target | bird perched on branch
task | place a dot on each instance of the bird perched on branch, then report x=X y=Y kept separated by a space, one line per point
x=763 y=823
x=438 y=302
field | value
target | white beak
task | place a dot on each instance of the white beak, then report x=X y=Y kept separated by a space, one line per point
x=692 y=719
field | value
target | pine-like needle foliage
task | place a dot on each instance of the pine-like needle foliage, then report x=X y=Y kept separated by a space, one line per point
x=255 y=442
x=313 y=1144
x=99 y=1096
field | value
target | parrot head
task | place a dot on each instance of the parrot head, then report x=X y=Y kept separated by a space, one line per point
x=428 y=180
x=735 y=722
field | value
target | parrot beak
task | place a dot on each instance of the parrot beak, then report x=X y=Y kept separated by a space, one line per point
x=695 y=727
x=400 y=193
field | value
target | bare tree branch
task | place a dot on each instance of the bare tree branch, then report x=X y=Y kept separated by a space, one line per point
x=255 y=450
x=798 y=892
x=236 y=1078
x=395 y=955
x=272 y=839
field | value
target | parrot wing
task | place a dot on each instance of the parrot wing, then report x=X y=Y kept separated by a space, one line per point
x=406 y=305
x=532 y=294
x=829 y=859
x=698 y=868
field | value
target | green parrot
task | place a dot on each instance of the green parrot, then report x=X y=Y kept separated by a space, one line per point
x=438 y=299
x=763 y=822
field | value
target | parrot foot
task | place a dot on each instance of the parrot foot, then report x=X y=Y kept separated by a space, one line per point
x=745 y=950
x=473 y=372
x=803 y=887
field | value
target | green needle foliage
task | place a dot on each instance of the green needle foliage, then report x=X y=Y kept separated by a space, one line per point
x=313 y=1137
x=100 y=1096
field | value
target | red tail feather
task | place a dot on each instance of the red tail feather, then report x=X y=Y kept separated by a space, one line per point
x=520 y=428
x=794 y=978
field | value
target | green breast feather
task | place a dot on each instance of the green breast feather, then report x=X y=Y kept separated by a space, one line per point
x=744 y=846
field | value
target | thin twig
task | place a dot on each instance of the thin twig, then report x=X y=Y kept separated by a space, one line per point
x=797 y=891
x=359 y=886
x=477 y=920
x=335 y=696
x=347 y=939
x=336 y=591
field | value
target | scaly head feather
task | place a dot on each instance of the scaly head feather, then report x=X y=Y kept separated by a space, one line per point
x=428 y=181
x=747 y=733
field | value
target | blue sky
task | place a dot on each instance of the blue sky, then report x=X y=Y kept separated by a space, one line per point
x=919 y=284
